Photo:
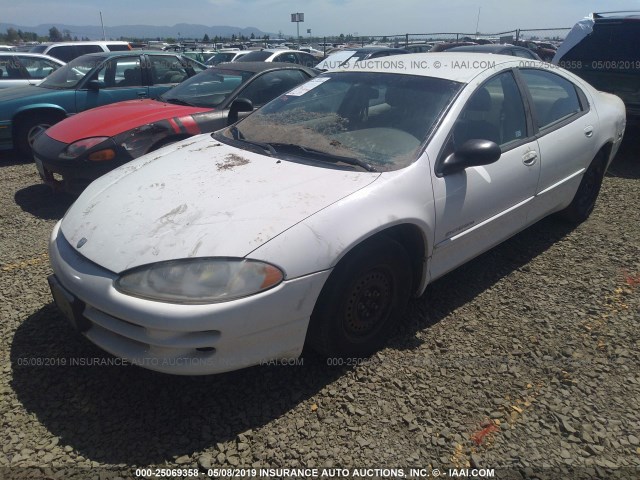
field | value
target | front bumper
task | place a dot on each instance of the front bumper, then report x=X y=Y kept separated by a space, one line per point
x=71 y=176
x=185 y=339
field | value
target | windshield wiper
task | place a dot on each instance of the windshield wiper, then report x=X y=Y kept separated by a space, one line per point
x=324 y=156
x=237 y=135
x=177 y=101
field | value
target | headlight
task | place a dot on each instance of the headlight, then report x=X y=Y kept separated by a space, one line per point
x=199 y=280
x=78 y=148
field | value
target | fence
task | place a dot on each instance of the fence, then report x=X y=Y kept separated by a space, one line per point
x=400 y=40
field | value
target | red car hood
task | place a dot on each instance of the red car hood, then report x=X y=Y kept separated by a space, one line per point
x=110 y=120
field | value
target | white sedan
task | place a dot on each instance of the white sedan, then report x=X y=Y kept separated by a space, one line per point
x=315 y=219
x=18 y=69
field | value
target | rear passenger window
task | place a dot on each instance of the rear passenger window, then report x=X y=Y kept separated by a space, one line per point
x=66 y=53
x=83 y=49
x=554 y=98
x=117 y=47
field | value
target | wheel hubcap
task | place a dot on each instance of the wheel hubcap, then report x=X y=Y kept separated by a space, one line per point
x=368 y=303
x=35 y=132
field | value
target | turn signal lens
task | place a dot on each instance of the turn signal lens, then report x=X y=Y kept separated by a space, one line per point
x=102 y=155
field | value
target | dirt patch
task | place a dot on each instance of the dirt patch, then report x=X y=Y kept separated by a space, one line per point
x=231 y=161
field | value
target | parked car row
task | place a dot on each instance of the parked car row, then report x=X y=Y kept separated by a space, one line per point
x=85 y=146
x=87 y=82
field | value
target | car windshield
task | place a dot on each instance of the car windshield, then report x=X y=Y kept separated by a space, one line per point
x=72 y=73
x=207 y=89
x=376 y=119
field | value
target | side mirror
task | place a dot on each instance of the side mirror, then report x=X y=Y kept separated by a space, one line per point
x=472 y=153
x=237 y=106
x=96 y=85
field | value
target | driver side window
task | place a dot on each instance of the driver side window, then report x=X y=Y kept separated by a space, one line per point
x=494 y=112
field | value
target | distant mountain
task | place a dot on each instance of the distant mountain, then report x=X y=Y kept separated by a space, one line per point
x=180 y=30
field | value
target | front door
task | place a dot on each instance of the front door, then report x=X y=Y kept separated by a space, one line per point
x=479 y=207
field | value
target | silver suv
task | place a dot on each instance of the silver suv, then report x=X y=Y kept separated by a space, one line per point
x=67 y=51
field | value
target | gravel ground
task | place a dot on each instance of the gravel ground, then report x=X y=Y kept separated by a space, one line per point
x=525 y=361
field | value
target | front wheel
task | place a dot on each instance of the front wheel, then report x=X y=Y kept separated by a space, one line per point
x=362 y=300
x=585 y=198
x=28 y=129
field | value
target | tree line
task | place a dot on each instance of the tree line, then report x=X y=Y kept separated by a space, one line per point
x=14 y=36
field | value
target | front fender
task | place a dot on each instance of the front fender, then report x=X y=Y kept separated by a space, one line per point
x=35 y=107
x=319 y=242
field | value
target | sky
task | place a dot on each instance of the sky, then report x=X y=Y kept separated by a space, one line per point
x=327 y=17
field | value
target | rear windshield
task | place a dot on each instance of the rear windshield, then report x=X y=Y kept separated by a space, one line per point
x=611 y=41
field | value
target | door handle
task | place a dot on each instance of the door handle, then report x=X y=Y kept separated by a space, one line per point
x=588 y=131
x=142 y=94
x=529 y=158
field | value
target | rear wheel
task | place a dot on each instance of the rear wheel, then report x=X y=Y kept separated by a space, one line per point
x=29 y=127
x=362 y=300
x=585 y=198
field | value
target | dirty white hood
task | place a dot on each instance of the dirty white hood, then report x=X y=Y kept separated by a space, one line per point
x=198 y=198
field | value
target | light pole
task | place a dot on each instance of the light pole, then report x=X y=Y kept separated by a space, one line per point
x=102 y=23
x=297 y=17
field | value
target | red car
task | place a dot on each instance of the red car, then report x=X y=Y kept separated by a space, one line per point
x=76 y=151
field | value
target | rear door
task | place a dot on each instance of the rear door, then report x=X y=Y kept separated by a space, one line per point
x=566 y=128
x=120 y=78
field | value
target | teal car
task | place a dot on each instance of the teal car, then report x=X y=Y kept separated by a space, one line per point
x=88 y=81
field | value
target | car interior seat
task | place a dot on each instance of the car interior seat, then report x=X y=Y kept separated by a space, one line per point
x=132 y=77
x=409 y=112
x=173 y=76
x=355 y=107
x=474 y=121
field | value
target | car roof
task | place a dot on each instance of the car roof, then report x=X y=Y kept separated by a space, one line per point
x=482 y=48
x=259 y=66
x=276 y=50
x=36 y=55
x=120 y=53
x=85 y=42
x=604 y=17
x=456 y=66
x=489 y=48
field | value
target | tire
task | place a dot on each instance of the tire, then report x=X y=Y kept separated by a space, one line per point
x=363 y=299
x=29 y=127
x=585 y=198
